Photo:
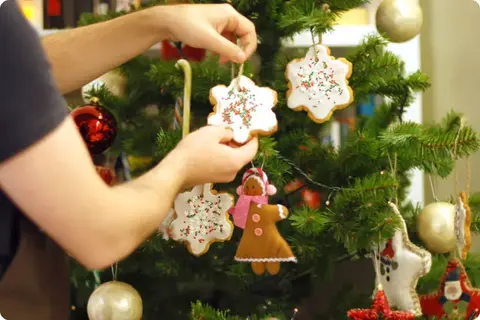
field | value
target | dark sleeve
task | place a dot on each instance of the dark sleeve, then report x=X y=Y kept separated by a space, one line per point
x=30 y=104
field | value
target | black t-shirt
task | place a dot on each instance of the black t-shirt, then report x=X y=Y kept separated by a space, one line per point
x=30 y=108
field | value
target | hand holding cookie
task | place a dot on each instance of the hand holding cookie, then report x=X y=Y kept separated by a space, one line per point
x=206 y=156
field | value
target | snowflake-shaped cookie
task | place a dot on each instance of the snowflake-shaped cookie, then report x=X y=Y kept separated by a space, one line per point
x=400 y=264
x=463 y=220
x=318 y=84
x=202 y=218
x=245 y=108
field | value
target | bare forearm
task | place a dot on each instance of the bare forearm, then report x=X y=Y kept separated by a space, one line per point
x=136 y=211
x=80 y=55
x=64 y=196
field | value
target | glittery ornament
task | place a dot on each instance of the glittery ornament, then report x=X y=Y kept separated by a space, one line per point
x=380 y=309
x=97 y=126
x=463 y=221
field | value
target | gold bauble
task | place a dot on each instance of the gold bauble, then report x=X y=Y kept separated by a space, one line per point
x=115 y=301
x=436 y=227
x=399 y=20
x=113 y=80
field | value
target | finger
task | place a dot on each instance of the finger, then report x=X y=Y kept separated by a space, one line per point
x=247 y=152
x=221 y=134
x=247 y=34
x=239 y=26
x=225 y=48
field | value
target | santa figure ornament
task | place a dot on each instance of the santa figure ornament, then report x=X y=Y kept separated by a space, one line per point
x=261 y=243
x=455 y=298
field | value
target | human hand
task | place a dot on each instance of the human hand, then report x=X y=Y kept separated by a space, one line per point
x=207 y=156
x=212 y=27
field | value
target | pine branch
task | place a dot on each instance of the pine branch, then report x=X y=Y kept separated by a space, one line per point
x=430 y=148
x=205 y=312
x=301 y=15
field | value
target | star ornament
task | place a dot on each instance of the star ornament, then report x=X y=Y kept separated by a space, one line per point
x=202 y=218
x=441 y=304
x=401 y=264
x=318 y=84
x=245 y=108
x=380 y=309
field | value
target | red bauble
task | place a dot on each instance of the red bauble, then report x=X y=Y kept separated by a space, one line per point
x=107 y=175
x=170 y=52
x=380 y=308
x=311 y=198
x=97 y=126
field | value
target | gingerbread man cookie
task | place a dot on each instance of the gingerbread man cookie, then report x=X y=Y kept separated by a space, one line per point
x=318 y=84
x=245 y=108
x=463 y=221
x=202 y=218
x=261 y=243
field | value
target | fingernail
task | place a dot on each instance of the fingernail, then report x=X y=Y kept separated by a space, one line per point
x=241 y=57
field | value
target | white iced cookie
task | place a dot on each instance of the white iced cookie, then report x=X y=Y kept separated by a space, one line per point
x=463 y=220
x=245 y=108
x=202 y=218
x=318 y=84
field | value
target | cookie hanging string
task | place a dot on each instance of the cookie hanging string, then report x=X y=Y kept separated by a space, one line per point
x=432 y=187
x=455 y=157
x=468 y=173
x=187 y=93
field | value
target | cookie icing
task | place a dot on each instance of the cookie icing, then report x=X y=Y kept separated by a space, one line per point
x=245 y=108
x=202 y=218
x=318 y=83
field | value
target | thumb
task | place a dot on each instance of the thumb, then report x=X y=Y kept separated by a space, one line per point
x=248 y=151
x=222 y=134
x=225 y=48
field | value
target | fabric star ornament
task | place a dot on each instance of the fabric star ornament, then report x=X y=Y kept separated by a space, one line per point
x=380 y=309
x=401 y=264
x=463 y=221
x=318 y=84
x=202 y=218
x=245 y=108
x=455 y=297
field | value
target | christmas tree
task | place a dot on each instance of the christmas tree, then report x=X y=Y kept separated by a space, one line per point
x=357 y=183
